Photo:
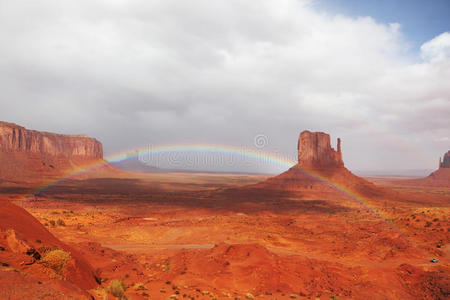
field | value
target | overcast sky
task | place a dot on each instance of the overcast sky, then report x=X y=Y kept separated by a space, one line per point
x=133 y=73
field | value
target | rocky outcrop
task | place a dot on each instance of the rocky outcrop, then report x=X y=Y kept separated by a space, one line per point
x=320 y=173
x=34 y=157
x=446 y=162
x=14 y=138
x=314 y=150
x=438 y=178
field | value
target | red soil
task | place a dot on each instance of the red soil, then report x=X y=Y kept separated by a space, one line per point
x=21 y=232
x=312 y=232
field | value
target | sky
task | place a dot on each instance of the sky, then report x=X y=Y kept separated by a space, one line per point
x=420 y=20
x=139 y=74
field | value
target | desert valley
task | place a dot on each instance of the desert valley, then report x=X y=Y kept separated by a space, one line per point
x=74 y=226
x=225 y=149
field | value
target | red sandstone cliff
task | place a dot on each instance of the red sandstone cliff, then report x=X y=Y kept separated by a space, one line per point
x=31 y=156
x=315 y=151
x=320 y=169
x=14 y=138
x=445 y=164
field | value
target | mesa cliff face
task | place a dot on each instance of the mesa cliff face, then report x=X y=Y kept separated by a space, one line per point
x=320 y=169
x=314 y=150
x=14 y=138
x=32 y=156
x=446 y=162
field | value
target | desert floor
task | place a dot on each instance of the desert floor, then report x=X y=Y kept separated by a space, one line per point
x=183 y=235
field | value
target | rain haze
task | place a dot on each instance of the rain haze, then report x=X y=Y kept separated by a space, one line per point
x=238 y=74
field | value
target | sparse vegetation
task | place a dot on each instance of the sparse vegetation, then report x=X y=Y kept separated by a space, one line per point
x=139 y=287
x=117 y=289
x=249 y=296
x=56 y=259
x=166 y=268
x=61 y=222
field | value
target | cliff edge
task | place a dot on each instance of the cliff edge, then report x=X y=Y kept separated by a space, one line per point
x=15 y=138
x=33 y=156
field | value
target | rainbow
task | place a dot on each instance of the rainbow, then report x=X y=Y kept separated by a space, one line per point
x=279 y=160
x=274 y=158
x=264 y=156
x=260 y=155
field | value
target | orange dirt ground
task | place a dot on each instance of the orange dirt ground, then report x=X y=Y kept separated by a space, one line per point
x=205 y=236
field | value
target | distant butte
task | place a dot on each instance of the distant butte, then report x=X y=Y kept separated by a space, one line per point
x=446 y=163
x=440 y=177
x=32 y=156
x=315 y=151
x=320 y=169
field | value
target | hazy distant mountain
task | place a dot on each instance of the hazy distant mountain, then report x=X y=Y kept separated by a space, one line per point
x=133 y=164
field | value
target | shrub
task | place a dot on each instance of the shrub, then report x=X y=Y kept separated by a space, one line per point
x=56 y=259
x=139 y=286
x=117 y=289
x=249 y=296
x=60 y=222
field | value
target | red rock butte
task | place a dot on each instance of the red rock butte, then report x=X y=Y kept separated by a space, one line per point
x=315 y=151
x=440 y=177
x=320 y=168
x=446 y=162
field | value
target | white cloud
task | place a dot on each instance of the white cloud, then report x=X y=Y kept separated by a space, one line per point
x=221 y=72
x=437 y=49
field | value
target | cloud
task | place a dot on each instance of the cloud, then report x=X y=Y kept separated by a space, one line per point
x=138 y=72
x=437 y=49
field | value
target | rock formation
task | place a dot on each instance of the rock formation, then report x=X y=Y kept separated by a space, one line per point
x=14 y=138
x=446 y=162
x=314 y=150
x=320 y=169
x=439 y=178
x=32 y=156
